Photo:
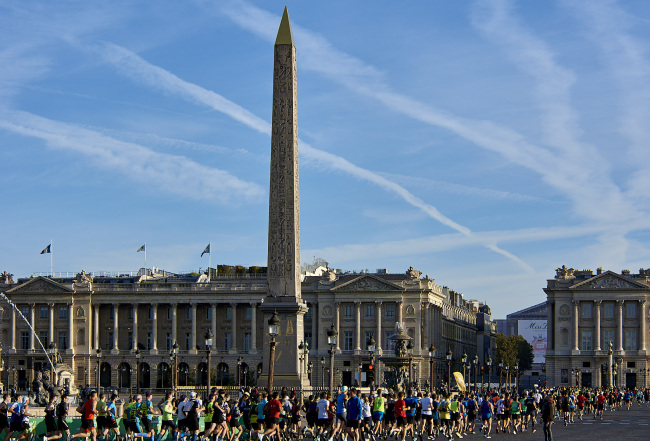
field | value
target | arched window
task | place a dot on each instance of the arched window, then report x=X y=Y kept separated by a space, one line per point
x=105 y=375
x=202 y=374
x=164 y=376
x=145 y=376
x=124 y=375
x=223 y=374
x=183 y=374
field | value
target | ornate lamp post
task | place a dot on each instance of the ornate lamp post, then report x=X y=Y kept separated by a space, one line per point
x=449 y=355
x=489 y=371
x=301 y=359
x=409 y=351
x=137 y=371
x=310 y=368
x=517 y=378
x=52 y=351
x=175 y=348
x=415 y=382
x=240 y=360
x=322 y=362
x=500 y=374
x=464 y=361
x=508 y=376
x=578 y=377
x=332 y=335
x=432 y=353
x=360 y=367
x=274 y=330
x=99 y=368
x=371 y=344
x=475 y=372
x=208 y=349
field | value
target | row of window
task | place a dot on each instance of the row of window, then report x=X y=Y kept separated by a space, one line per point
x=608 y=310
x=629 y=342
x=349 y=311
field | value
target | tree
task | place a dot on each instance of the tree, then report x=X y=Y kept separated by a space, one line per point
x=524 y=354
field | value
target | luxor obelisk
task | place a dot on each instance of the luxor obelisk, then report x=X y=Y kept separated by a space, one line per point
x=283 y=276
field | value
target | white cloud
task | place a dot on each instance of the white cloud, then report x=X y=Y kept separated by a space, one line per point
x=170 y=173
x=138 y=69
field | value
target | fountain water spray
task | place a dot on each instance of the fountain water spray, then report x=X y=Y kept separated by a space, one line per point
x=2 y=295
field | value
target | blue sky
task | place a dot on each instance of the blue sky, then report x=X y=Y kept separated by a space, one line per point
x=484 y=143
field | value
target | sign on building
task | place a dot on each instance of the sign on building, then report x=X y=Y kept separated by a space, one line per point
x=534 y=332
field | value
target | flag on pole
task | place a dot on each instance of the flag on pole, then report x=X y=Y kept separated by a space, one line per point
x=47 y=250
x=142 y=248
x=206 y=250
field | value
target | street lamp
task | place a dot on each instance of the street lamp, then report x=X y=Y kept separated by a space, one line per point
x=137 y=370
x=240 y=360
x=322 y=362
x=449 y=355
x=489 y=365
x=52 y=351
x=516 y=378
x=174 y=356
x=415 y=376
x=409 y=351
x=475 y=373
x=310 y=367
x=208 y=348
x=332 y=335
x=301 y=359
x=371 y=345
x=360 y=372
x=432 y=352
x=464 y=361
x=500 y=374
x=274 y=330
x=99 y=372
x=508 y=376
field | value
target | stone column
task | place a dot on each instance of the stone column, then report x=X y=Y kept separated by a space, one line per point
x=71 y=327
x=254 y=328
x=357 y=306
x=643 y=330
x=619 y=326
x=192 y=348
x=233 y=329
x=338 y=326
x=174 y=307
x=597 y=326
x=135 y=326
x=154 y=328
x=398 y=306
x=314 y=326
x=13 y=329
x=96 y=326
x=32 y=322
x=378 y=337
x=550 y=332
x=427 y=326
x=116 y=327
x=575 y=324
x=50 y=331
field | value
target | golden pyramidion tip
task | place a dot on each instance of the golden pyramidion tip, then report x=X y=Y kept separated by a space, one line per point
x=285 y=36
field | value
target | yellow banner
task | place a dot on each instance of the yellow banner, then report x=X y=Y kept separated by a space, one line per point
x=460 y=381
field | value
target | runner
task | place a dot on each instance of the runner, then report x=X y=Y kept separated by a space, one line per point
x=548 y=415
x=4 y=421
x=487 y=409
x=354 y=411
x=62 y=413
x=88 y=418
x=167 y=420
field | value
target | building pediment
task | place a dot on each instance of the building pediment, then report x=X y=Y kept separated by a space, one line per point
x=367 y=282
x=40 y=285
x=609 y=280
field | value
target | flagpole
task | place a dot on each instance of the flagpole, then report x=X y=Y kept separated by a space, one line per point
x=209 y=261
x=145 y=261
x=51 y=258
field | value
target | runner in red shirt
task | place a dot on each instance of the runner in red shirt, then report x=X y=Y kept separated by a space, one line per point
x=601 y=404
x=400 y=413
x=88 y=418
x=272 y=410
x=581 y=404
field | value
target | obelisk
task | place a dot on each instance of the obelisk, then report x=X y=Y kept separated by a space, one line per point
x=283 y=272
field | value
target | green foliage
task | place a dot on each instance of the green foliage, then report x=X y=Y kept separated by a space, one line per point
x=514 y=351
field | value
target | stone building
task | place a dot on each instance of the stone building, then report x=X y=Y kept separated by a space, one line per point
x=586 y=314
x=118 y=314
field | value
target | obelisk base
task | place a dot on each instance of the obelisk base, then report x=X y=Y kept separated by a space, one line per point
x=287 y=364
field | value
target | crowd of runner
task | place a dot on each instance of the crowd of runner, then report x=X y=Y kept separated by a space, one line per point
x=349 y=416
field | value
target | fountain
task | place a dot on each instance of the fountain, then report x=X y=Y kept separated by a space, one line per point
x=400 y=362
x=41 y=383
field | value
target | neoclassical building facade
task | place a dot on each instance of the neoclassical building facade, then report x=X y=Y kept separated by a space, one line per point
x=589 y=313
x=98 y=322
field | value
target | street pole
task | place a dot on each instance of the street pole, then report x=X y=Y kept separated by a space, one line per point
x=208 y=348
x=137 y=370
x=332 y=335
x=432 y=351
x=274 y=330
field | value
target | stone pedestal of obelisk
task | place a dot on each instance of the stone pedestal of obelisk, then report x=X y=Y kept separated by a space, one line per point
x=283 y=277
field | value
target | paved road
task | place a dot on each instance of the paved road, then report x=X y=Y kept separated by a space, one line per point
x=620 y=425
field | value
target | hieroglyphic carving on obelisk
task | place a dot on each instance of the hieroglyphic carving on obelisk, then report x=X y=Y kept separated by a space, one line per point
x=284 y=209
